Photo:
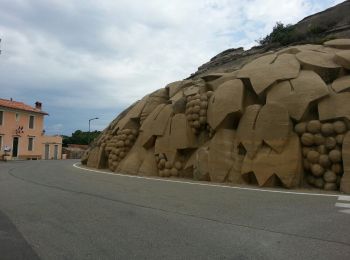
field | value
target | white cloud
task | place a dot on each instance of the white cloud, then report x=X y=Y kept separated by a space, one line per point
x=92 y=55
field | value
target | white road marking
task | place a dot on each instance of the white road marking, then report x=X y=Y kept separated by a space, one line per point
x=207 y=184
x=342 y=205
x=346 y=198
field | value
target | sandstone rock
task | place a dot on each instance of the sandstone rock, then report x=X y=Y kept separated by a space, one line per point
x=324 y=161
x=94 y=157
x=246 y=134
x=148 y=166
x=316 y=59
x=335 y=156
x=300 y=128
x=258 y=125
x=181 y=136
x=307 y=139
x=133 y=160
x=322 y=149
x=212 y=76
x=327 y=129
x=343 y=58
x=192 y=90
x=179 y=106
x=319 y=183
x=226 y=102
x=163 y=144
x=322 y=63
x=330 y=186
x=339 y=127
x=341 y=84
x=134 y=113
x=188 y=128
x=214 y=84
x=155 y=124
x=201 y=164
x=340 y=106
x=317 y=170
x=330 y=176
x=266 y=70
x=220 y=155
x=288 y=169
x=319 y=139
x=238 y=155
x=297 y=94
x=313 y=156
x=176 y=86
x=330 y=143
x=153 y=100
x=338 y=43
x=313 y=126
x=273 y=126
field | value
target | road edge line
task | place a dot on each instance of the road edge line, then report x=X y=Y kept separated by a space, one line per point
x=207 y=184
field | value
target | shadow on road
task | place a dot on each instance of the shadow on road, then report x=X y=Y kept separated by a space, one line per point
x=12 y=243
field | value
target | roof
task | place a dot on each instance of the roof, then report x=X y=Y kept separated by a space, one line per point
x=20 y=106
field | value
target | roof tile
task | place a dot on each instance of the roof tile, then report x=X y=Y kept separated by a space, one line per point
x=20 y=106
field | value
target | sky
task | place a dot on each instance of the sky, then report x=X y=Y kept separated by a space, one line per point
x=84 y=59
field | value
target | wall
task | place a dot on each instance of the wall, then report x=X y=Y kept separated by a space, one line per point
x=8 y=131
x=51 y=141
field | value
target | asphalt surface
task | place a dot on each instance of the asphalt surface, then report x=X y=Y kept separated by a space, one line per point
x=52 y=210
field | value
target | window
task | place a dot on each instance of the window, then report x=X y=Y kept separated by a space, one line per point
x=1 y=117
x=1 y=148
x=17 y=117
x=30 y=143
x=31 y=122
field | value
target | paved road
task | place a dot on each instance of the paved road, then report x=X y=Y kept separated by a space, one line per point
x=51 y=210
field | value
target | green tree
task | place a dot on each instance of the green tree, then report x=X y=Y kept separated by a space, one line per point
x=80 y=137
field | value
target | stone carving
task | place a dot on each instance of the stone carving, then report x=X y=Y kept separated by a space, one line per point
x=280 y=120
x=322 y=151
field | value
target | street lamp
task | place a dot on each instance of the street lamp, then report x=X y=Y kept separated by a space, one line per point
x=89 y=128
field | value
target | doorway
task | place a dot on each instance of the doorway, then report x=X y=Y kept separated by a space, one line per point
x=55 y=152
x=47 y=151
x=15 y=147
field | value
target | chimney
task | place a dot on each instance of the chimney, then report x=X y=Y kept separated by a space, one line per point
x=38 y=105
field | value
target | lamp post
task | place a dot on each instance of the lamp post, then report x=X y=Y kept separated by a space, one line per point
x=89 y=128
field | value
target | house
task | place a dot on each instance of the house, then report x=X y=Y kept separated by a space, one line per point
x=22 y=134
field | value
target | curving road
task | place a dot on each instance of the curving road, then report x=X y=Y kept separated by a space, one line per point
x=52 y=210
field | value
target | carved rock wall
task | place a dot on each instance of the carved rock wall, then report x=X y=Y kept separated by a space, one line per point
x=281 y=120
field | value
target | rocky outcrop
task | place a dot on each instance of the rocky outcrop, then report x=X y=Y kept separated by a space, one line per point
x=328 y=24
x=280 y=120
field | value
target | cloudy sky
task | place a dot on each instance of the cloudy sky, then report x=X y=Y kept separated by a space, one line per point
x=87 y=59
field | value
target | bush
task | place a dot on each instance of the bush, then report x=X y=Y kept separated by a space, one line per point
x=281 y=34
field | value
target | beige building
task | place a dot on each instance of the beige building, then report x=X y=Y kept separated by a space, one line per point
x=22 y=134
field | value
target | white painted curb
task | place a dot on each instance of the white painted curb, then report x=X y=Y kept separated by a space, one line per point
x=76 y=165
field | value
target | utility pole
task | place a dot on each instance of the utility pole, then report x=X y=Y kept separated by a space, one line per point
x=89 y=128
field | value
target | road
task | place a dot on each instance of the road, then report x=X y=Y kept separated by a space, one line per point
x=52 y=210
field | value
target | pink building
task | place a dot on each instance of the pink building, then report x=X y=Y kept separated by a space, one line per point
x=22 y=132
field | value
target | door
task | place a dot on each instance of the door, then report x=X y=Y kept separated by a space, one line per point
x=15 y=147
x=55 y=152
x=47 y=151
